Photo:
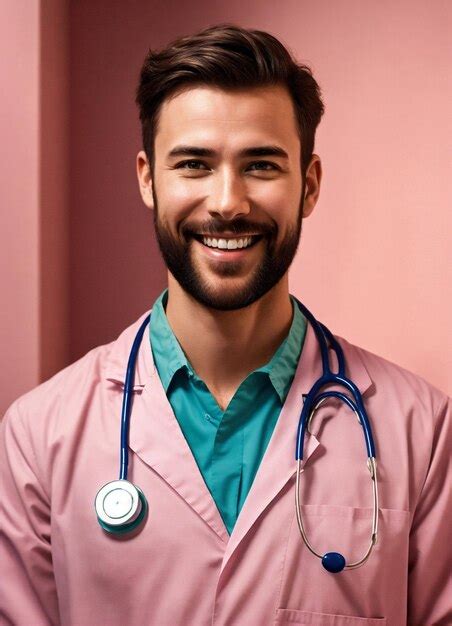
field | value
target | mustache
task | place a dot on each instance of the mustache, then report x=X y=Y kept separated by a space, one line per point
x=219 y=227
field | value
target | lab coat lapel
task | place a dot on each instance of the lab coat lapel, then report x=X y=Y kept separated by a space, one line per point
x=278 y=465
x=155 y=435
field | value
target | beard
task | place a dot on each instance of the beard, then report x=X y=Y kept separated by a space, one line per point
x=177 y=254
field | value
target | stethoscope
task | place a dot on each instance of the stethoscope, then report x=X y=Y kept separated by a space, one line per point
x=121 y=506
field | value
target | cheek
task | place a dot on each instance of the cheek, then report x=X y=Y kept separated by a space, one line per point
x=279 y=200
x=177 y=199
x=176 y=191
x=280 y=194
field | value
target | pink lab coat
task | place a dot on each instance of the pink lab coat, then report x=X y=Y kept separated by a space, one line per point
x=60 y=444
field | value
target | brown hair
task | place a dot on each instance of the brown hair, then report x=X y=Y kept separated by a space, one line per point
x=228 y=57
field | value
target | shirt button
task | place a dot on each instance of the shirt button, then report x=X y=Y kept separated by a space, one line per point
x=208 y=417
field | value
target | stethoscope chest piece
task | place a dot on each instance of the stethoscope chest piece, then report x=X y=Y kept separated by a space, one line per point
x=120 y=506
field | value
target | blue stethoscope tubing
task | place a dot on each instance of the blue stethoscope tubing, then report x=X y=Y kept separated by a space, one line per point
x=127 y=400
x=329 y=378
x=121 y=506
x=121 y=518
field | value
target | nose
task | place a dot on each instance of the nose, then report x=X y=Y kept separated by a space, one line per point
x=228 y=199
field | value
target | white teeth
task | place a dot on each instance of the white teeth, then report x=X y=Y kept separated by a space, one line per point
x=229 y=244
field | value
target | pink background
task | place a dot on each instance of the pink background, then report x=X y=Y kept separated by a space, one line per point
x=79 y=259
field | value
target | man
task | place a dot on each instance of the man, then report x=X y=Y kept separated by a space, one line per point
x=229 y=172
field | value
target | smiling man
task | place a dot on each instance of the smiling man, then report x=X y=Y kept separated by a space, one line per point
x=213 y=522
x=228 y=196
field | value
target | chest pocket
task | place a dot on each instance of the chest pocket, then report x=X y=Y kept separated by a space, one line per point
x=335 y=599
x=289 y=616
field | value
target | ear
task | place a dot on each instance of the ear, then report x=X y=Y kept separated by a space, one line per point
x=145 y=179
x=312 y=186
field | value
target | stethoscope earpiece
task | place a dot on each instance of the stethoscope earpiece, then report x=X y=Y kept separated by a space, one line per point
x=120 y=506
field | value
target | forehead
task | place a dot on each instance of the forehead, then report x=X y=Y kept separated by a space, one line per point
x=228 y=118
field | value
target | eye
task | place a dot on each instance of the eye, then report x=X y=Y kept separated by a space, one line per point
x=264 y=166
x=190 y=165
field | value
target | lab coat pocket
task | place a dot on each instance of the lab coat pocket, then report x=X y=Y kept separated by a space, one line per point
x=290 y=616
x=371 y=589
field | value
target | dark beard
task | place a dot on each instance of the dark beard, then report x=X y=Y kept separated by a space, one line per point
x=275 y=263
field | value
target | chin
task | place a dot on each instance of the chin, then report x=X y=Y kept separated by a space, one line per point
x=224 y=296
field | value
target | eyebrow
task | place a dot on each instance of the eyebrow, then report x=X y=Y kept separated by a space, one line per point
x=255 y=151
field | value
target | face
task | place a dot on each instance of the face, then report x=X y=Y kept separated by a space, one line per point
x=227 y=192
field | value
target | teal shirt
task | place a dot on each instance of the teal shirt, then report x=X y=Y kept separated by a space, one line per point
x=228 y=446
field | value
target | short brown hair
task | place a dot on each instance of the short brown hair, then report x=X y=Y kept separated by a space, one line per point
x=228 y=57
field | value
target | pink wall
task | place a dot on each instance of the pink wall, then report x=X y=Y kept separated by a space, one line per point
x=19 y=182
x=115 y=270
x=34 y=328
x=378 y=241
x=54 y=194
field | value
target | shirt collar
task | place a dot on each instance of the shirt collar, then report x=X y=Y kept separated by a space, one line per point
x=170 y=358
x=115 y=356
x=281 y=367
x=167 y=352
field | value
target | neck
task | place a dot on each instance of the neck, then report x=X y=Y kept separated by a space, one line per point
x=223 y=347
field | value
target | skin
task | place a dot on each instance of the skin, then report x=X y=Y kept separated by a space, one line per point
x=224 y=323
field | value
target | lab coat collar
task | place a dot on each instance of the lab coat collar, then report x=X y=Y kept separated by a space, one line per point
x=156 y=437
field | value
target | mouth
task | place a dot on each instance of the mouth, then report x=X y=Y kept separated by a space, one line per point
x=228 y=244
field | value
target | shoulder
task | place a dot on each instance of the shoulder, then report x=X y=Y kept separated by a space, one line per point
x=38 y=422
x=398 y=391
x=65 y=381
x=51 y=406
x=397 y=377
x=411 y=422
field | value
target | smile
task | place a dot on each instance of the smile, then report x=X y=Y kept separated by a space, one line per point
x=230 y=243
